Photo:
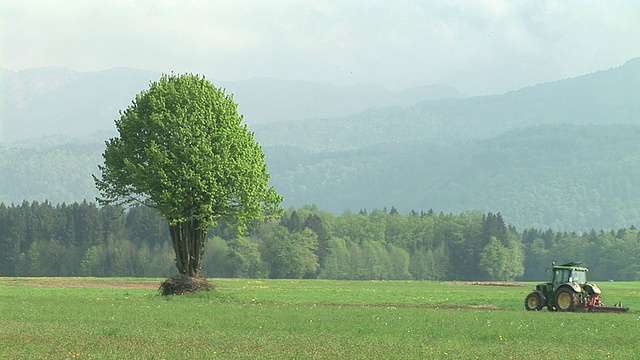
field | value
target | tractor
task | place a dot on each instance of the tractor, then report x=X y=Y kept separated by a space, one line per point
x=569 y=291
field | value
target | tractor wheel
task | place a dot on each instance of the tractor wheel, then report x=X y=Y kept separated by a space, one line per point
x=534 y=301
x=566 y=299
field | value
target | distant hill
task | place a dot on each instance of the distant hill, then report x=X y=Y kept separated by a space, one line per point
x=564 y=154
x=51 y=100
x=48 y=101
x=568 y=177
x=266 y=100
x=605 y=97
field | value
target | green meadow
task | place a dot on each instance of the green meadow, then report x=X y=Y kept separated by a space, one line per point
x=106 y=318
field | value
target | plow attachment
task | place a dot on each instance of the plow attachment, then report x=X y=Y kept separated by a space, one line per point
x=594 y=303
x=608 y=309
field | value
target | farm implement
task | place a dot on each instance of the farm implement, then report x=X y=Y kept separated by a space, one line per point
x=569 y=290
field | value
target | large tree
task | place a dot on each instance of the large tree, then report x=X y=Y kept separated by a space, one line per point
x=183 y=150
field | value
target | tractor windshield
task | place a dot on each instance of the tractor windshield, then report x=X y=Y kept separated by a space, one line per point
x=578 y=276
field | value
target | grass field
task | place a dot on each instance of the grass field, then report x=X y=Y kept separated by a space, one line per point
x=90 y=318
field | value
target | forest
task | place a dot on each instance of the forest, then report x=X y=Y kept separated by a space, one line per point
x=82 y=239
x=564 y=177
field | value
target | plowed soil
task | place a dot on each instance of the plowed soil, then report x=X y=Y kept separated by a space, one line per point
x=115 y=285
x=489 y=283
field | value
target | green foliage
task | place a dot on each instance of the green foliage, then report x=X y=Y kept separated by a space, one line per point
x=502 y=262
x=245 y=259
x=121 y=257
x=416 y=246
x=216 y=261
x=183 y=150
x=288 y=254
x=338 y=261
x=65 y=164
x=610 y=255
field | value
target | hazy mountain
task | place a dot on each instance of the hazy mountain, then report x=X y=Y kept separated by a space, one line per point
x=266 y=100
x=564 y=154
x=569 y=177
x=46 y=101
x=605 y=97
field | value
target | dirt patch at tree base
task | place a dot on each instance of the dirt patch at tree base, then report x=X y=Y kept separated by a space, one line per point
x=181 y=285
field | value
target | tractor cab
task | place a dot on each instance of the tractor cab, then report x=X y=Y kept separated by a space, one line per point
x=569 y=273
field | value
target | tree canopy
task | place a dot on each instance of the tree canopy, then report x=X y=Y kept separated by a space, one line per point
x=183 y=150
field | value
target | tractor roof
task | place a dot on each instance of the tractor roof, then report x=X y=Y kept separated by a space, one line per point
x=571 y=266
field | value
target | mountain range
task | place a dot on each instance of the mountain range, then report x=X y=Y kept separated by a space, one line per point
x=605 y=97
x=564 y=154
x=51 y=100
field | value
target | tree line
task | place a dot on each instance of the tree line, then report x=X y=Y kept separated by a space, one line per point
x=82 y=239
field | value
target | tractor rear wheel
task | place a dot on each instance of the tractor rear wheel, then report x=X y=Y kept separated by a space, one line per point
x=534 y=301
x=566 y=299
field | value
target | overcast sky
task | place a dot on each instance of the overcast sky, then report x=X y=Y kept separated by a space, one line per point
x=478 y=47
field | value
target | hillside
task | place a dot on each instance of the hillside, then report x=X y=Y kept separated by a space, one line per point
x=605 y=97
x=568 y=177
x=47 y=101
x=564 y=155
x=266 y=100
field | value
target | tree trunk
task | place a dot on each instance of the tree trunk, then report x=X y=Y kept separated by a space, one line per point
x=188 y=244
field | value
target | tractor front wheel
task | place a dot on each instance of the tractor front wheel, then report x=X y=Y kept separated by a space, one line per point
x=566 y=299
x=534 y=301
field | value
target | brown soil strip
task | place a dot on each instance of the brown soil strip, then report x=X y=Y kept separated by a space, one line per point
x=489 y=283
x=115 y=285
x=454 y=307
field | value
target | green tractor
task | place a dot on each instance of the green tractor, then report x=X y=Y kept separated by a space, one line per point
x=569 y=291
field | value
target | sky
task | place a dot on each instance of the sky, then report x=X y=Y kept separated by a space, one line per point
x=479 y=47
